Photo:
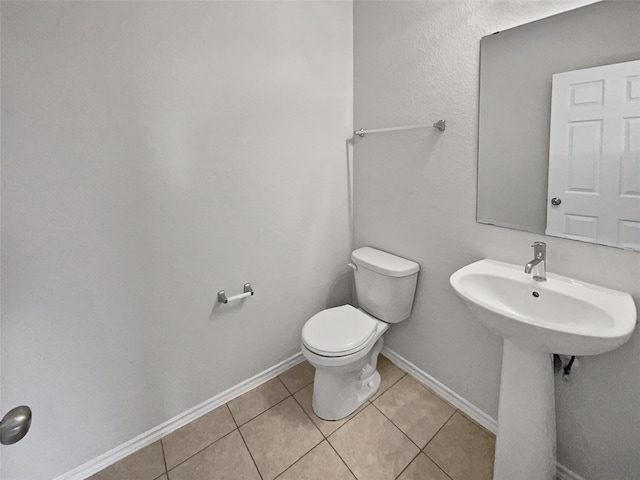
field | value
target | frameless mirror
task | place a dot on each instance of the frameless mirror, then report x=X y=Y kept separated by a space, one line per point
x=559 y=126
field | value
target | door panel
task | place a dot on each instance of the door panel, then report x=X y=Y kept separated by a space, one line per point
x=594 y=155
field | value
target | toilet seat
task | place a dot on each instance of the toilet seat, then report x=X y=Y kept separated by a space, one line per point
x=339 y=331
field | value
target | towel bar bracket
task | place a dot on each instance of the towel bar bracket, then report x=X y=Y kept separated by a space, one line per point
x=248 y=291
x=440 y=125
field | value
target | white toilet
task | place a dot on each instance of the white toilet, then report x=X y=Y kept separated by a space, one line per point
x=343 y=343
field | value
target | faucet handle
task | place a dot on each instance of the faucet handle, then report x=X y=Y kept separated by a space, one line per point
x=540 y=250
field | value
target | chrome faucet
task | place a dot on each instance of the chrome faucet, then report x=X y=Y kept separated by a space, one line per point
x=539 y=260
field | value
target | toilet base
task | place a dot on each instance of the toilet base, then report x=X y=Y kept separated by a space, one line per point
x=339 y=391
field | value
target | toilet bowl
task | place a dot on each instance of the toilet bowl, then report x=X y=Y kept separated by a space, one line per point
x=343 y=343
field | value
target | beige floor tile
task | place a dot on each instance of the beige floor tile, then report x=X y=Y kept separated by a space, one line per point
x=321 y=463
x=327 y=427
x=463 y=449
x=422 y=468
x=415 y=410
x=227 y=459
x=163 y=477
x=298 y=377
x=145 y=464
x=256 y=401
x=193 y=437
x=279 y=437
x=372 y=447
x=389 y=374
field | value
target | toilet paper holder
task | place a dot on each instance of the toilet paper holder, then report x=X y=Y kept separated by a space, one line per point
x=248 y=291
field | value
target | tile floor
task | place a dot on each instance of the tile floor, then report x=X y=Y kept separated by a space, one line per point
x=405 y=432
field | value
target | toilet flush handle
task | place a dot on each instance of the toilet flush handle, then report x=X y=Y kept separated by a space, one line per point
x=352 y=266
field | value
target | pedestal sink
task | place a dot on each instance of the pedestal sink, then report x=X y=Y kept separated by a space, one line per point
x=538 y=319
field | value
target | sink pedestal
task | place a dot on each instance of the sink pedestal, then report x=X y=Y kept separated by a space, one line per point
x=560 y=315
x=526 y=440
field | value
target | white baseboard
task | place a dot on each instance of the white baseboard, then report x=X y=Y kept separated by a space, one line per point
x=563 y=473
x=156 y=433
x=443 y=391
x=468 y=408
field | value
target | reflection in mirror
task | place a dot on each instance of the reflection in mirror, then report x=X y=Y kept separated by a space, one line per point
x=517 y=186
x=594 y=155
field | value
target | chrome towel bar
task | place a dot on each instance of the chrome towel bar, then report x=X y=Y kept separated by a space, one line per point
x=248 y=291
x=440 y=125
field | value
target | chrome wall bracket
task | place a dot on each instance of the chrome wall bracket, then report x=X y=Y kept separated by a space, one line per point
x=248 y=291
x=440 y=125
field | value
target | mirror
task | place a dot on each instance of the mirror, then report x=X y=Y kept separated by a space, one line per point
x=519 y=68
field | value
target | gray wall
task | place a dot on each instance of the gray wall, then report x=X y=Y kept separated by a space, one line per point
x=515 y=102
x=154 y=153
x=415 y=195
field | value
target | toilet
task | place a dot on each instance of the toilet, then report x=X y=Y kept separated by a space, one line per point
x=343 y=343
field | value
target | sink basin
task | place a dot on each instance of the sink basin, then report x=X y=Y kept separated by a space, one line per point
x=537 y=319
x=560 y=315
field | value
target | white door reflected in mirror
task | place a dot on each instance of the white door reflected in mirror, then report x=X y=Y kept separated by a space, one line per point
x=594 y=155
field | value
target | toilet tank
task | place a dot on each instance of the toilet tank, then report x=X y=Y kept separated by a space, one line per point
x=385 y=283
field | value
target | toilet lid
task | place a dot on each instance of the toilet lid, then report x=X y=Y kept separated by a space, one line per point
x=338 y=331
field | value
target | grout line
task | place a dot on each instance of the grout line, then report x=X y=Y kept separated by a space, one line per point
x=421 y=450
x=303 y=455
x=436 y=434
x=432 y=438
x=202 y=449
x=245 y=443
x=309 y=417
x=250 y=455
x=475 y=423
x=326 y=437
x=164 y=429
x=354 y=414
x=445 y=393
x=436 y=394
x=232 y=417
x=437 y=466
x=343 y=461
x=252 y=390
x=164 y=459
x=358 y=411
x=261 y=413
x=285 y=385
x=301 y=388
x=312 y=423
x=412 y=460
x=379 y=393
x=281 y=382
x=394 y=424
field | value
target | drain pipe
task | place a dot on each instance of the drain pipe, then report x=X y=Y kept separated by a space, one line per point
x=563 y=364
x=567 y=368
